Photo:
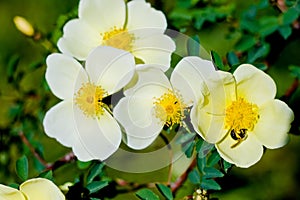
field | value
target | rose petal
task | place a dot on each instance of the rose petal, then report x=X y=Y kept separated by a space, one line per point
x=254 y=85
x=100 y=136
x=111 y=68
x=103 y=15
x=8 y=193
x=141 y=125
x=188 y=77
x=41 y=188
x=146 y=75
x=274 y=122
x=78 y=39
x=246 y=154
x=156 y=49
x=142 y=15
x=59 y=123
x=208 y=115
x=62 y=74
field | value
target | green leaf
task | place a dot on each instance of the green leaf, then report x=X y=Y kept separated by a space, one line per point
x=95 y=171
x=183 y=138
x=213 y=159
x=83 y=165
x=22 y=168
x=232 y=58
x=259 y=52
x=194 y=177
x=188 y=148
x=203 y=148
x=295 y=70
x=201 y=163
x=95 y=186
x=285 y=31
x=268 y=25
x=146 y=194
x=245 y=43
x=47 y=174
x=166 y=191
x=290 y=16
x=210 y=172
x=217 y=60
x=210 y=184
x=226 y=165
x=12 y=66
x=193 y=46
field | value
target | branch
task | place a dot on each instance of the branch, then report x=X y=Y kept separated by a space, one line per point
x=69 y=157
x=32 y=149
x=178 y=183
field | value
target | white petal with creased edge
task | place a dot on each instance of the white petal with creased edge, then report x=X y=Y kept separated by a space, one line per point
x=59 y=123
x=62 y=73
x=141 y=128
x=79 y=39
x=110 y=67
x=156 y=49
x=102 y=14
x=188 y=75
x=41 y=188
x=274 y=123
x=100 y=136
x=146 y=75
x=254 y=85
x=8 y=193
x=244 y=155
x=141 y=15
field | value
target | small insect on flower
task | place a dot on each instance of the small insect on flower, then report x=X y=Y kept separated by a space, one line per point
x=240 y=115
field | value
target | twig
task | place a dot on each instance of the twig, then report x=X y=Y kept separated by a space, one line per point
x=178 y=183
x=290 y=91
x=69 y=157
x=32 y=149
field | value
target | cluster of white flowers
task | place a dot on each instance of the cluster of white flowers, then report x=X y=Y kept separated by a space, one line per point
x=116 y=47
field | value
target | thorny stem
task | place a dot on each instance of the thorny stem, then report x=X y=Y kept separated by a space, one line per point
x=178 y=183
x=69 y=157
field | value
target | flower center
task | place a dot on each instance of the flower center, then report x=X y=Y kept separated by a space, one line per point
x=89 y=99
x=241 y=116
x=118 y=38
x=169 y=108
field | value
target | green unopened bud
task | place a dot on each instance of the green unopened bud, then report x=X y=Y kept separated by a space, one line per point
x=23 y=26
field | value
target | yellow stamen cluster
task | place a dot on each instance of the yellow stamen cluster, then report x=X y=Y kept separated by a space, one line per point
x=169 y=108
x=89 y=99
x=118 y=38
x=241 y=115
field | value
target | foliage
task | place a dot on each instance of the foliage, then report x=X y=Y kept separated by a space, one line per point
x=264 y=33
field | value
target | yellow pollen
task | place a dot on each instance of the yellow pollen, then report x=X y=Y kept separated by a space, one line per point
x=89 y=99
x=169 y=108
x=241 y=116
x=118 y=38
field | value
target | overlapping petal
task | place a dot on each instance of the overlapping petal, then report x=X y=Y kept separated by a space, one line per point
x=110 y=67
x=135 y=115
x=8 y=193
x=189 y=76
x=79 y=39
x=40 y=188
x=62 y=74
x=208 y=115
x=99 y=136
x=156 y=49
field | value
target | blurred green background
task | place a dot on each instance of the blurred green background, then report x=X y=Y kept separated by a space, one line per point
x=239 y=31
